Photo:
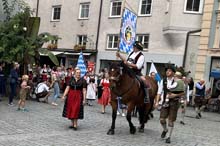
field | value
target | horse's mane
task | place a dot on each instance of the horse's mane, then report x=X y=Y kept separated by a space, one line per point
x=125 y=70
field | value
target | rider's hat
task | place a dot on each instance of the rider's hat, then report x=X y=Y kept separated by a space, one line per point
x=171 y=67
x=138 y=45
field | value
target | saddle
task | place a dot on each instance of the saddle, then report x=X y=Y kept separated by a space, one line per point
x=142 y=84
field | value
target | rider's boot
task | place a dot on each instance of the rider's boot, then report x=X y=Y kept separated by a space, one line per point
x=146 y=97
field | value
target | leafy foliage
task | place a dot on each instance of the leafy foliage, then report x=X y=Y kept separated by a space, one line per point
x=182 y=70
x=19 y=39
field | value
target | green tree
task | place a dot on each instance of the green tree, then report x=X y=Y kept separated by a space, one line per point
x=19 y=39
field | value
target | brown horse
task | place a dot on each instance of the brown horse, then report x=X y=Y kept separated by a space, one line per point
x=125 y=84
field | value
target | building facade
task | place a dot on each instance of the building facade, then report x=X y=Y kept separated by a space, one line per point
x=93 y=26
x=208 y=59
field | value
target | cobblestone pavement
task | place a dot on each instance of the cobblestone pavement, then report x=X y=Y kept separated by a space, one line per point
x=43 y=125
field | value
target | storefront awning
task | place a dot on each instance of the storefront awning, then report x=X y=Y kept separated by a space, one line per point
x=215 y=74
x=54 y=53
x=68 y=53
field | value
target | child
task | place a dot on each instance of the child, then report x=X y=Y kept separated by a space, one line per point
x=23 y=93
x=176 y=87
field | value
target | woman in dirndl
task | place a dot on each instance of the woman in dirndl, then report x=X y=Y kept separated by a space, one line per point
x=76 y=94
x=106 y=95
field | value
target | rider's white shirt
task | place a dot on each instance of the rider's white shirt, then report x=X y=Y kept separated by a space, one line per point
x=140 y=61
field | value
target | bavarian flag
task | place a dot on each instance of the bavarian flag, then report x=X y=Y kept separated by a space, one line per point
x=81 y=64
x=128 y=31
x=153 y=69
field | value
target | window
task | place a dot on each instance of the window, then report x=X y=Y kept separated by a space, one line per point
x=145 y=7
x=56 y=10
x=112 y=41
x=193 y=6
x=81 y=39
x=84 y=11
x=144 y=39
x=115 y=8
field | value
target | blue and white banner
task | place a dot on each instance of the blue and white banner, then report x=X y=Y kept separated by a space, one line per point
x=153 y=69
x=128 y=31
x=81 y=64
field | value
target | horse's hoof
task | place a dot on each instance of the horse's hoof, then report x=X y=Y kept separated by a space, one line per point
x=133 y=130
x=111 y=132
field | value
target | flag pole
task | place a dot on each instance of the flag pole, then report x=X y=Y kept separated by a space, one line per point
x=123 y=9
x=127 y=29
x=130 y=8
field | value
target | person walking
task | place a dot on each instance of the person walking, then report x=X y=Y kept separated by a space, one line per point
x=2 y=81
x=191 y=87
x=55 y=85
x=200 y=100
x=184 y=100
x=76 y=96
x=13 y=83
x=106 y=95
x=169 y=112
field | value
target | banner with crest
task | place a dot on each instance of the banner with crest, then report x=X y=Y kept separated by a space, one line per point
x=128 y=31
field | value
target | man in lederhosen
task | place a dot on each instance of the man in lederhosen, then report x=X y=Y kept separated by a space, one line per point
x=168 y=112
x=200 y=100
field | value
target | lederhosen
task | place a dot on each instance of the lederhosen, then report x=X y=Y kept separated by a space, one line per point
x=200 y=97
x=134 y=61
x=171 y=111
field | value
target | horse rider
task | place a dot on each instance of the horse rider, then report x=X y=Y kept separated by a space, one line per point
x=135 y=61
x=168 y=112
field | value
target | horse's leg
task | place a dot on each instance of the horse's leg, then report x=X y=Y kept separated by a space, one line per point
x=141 y=111
x=130 y=109
x=114 y=105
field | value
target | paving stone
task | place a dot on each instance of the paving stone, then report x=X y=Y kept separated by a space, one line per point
x=44 y=125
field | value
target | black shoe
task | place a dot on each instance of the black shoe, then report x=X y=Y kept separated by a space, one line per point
x=181 y=122
x=74 y=128
x=163 y=135
x=168 y=140
x=199 y=115
x=71 y=127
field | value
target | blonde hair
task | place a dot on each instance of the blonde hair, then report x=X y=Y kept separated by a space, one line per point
x=25 y=77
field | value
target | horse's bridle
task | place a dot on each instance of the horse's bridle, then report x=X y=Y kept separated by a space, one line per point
x=117 y=79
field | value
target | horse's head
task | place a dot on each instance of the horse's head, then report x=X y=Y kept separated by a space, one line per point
x=115 y=72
